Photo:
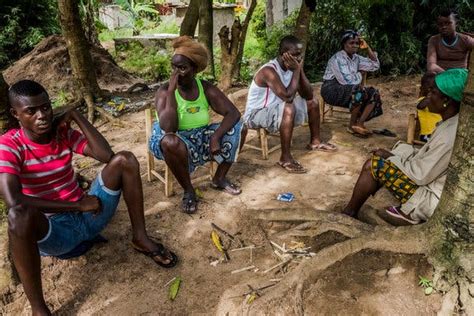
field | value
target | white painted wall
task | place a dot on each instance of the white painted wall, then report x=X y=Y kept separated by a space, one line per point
x=283 y=8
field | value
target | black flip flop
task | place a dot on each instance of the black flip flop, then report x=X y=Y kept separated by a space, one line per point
x=189 y=200
x=384 y=132
x=160 y=253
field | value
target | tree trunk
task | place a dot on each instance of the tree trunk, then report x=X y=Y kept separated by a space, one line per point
x=451 y=229
x=229 y=51
x=188 y=26
x=269 y=15
x=78 y=49
x=4 y=108
x=206 y=28
x=90 y=15
x=232 y=49
x=242 y=37
x=302 y=24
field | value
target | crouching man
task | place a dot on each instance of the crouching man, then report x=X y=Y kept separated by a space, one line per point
x=49 y=214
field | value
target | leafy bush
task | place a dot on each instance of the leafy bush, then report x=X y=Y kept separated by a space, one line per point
x=397 y=29
x=149 y=63
x=22 y=25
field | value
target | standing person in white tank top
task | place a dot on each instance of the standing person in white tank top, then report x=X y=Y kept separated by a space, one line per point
x=280 y=98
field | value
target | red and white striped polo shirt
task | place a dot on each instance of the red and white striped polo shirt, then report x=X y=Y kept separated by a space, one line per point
x=45 y=170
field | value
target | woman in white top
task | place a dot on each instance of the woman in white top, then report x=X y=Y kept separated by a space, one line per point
x=415 y=177
x=343 y=87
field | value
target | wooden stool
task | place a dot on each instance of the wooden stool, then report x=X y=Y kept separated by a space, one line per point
x=165 y=178
x=331 y=110
x=263 y=135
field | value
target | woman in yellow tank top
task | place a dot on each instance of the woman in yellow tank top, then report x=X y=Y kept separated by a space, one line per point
x=183 y=135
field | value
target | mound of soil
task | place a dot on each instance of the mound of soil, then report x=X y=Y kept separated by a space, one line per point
x=48 y=63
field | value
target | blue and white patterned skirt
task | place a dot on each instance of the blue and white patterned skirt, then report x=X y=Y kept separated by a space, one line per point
x=197 y=142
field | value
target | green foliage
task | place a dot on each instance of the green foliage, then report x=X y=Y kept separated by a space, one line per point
x=22 y=25
x=397 y=29
x=149 y=63
x=426 y=284
x=62 y=98
x=142 y=12
x=3 y=210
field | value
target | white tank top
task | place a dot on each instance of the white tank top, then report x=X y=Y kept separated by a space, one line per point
x=260 y=97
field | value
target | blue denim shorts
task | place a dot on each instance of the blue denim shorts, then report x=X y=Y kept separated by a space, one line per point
x=68 y=230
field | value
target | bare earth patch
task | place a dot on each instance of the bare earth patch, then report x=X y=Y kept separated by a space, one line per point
x=114 y=280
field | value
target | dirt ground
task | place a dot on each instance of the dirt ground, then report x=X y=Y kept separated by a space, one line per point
x=113 y=280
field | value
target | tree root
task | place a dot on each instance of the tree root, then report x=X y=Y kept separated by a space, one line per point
x=449 y=302
x=408 y=240
x=315 y=228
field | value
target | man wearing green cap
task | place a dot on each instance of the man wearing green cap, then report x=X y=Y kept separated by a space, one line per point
x=414 y=176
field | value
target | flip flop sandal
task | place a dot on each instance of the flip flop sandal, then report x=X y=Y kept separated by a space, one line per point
x=392 y=211
x=353 y=133
x=327 y=147
x=229 y=188
x=292 y=167
x=159 y=253
x=384 y=132
x=189 y=203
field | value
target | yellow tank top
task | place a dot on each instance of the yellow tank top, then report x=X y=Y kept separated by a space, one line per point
x=427 y=119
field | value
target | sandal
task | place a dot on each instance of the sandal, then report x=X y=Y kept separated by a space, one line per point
x=384 y=132
x=292 y=166
x=327 y=147
x=161 y=252
x=228 y=187
x=393 y=212
x=189 y=203
x=356 y=134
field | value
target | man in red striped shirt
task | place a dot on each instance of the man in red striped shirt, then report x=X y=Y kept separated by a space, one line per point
x=49 y=214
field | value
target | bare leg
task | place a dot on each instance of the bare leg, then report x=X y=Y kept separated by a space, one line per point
x=286 y=132
x=365 y=114
x=219 y=178
x=364 y=187
x=355 y=113
x=25 y=227
x=243 y=136
x=176 y=157
x=123 y=172
x=314 y=121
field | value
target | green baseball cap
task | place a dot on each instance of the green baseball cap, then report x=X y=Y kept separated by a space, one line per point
x=451 y=82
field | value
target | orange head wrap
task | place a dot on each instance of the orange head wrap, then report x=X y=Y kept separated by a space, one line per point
x=195 y=51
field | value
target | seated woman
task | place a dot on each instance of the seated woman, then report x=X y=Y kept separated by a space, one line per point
x=448 y=49
x=415 y=177
x=183 y=136
x=342 y=84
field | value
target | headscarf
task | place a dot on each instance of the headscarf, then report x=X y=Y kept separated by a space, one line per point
x=347 y=35
x=451 y=82
x=193 y=50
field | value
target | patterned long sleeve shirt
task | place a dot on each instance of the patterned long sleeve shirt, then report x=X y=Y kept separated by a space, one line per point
x=346 y=70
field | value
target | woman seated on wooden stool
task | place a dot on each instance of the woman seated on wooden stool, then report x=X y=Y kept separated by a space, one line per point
x=183 y=135
x=415 y=177
x=343 y=87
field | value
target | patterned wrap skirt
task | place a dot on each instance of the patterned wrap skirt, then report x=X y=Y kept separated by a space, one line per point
x=351 y=96
x=386 y=173
x=197 y=142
